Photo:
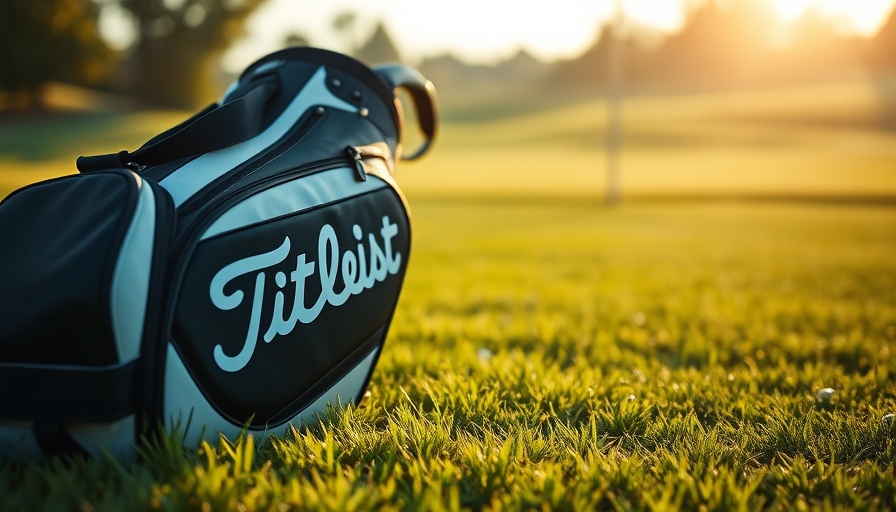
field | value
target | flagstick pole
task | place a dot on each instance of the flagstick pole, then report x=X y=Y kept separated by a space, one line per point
x=614 y=110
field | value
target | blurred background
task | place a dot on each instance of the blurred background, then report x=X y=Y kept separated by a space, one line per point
x=606 y=98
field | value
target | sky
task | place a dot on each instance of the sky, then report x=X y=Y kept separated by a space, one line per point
x=486 y=31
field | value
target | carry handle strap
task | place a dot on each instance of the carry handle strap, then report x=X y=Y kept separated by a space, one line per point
x=423 y=94
x=215 y=127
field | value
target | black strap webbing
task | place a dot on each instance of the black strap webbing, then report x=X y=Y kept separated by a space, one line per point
x=70 y=394
x=215 y=127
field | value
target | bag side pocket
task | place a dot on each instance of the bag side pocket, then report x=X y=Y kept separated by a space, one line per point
x=77 y=257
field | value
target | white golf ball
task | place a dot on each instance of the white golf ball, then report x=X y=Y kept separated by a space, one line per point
x=824 y=394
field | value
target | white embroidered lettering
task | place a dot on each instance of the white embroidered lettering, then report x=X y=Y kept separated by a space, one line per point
x=354 y=272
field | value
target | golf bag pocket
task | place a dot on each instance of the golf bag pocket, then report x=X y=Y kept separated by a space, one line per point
x=81 y=260
x=285 y=299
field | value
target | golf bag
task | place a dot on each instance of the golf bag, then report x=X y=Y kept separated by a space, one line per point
x=239 y=270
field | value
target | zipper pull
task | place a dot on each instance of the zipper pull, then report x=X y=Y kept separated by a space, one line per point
x=355 y=154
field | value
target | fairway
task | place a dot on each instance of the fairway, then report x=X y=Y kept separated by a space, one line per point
x=818 y=141
x=552 y=352
x=809 y=141
x=650 y=355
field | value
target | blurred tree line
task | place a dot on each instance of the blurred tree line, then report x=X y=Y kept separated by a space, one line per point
x=45 y=40
x=723 y=44
x=737 y=43
x=174 y=57
x=171 y=62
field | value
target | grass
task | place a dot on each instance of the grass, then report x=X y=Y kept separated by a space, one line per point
x=817 y=141
x=551 y=352
x=652 y=356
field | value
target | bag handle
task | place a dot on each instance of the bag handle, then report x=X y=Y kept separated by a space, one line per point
x=213 y=128
x=423 y=94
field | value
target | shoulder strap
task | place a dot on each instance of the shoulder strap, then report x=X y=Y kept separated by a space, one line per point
x=215 y=127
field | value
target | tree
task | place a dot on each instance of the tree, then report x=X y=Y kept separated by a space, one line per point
x=379 y=48
x=296 y=39
x=722 y=43
x=591 y=69
x=345 y=24
x=44 y=40
x=179 y=44
x=883 y=62
x=883 y=46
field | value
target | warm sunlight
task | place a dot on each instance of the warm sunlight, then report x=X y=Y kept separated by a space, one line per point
x=862 y=16
x=483 y=31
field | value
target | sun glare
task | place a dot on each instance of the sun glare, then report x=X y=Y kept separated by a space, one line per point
x=484 y=31
x=862 y=16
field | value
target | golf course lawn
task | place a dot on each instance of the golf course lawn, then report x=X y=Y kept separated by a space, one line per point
x=672 y=351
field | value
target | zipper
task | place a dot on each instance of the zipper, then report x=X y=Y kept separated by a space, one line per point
x=187 y=237
x=232 y=178
x=212 y=210
x=185 y=241
x=380 y=151
x=359 y=153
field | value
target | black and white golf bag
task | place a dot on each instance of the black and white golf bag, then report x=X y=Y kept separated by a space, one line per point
x=240 y=269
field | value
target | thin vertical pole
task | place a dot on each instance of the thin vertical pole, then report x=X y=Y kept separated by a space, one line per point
x=614 y=107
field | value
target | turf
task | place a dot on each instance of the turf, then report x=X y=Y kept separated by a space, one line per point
x=816 y=141
x=553 y=352
x=559 y=354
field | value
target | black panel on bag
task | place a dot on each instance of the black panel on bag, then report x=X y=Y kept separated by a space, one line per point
x=286 y=367
x=315 y=136
x=293 y=78
x=329 y=138
x=378 y=112
x=60 y=241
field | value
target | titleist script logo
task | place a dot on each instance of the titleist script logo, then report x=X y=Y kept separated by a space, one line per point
x=360 y=270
